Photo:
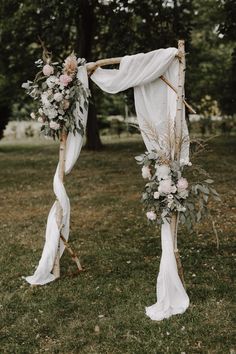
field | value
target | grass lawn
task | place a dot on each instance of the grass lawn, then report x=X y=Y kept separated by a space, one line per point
x=102 y=309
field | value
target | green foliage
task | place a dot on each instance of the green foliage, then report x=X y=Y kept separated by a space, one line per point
x=59 y=104
x=211 y=59
x=96 y=29
x=116 y=28
x=189 y=200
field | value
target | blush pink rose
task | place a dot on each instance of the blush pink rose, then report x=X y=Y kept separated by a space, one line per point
x=151 y=215
x=182 y=183
x=48 y=70
x=65 y=79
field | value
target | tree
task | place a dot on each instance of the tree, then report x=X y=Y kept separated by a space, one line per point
x=85 y=21
x=227 y=30
x=62 y=26
x=210 y=59
x=105 y=28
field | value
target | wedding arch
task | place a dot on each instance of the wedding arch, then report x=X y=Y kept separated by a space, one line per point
x=158 y=80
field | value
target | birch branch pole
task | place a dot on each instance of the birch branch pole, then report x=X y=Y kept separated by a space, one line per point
x=178 y=142
x=59 y=211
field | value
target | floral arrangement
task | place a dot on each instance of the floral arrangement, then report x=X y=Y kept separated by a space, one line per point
x=58 y=92
x=168 y=191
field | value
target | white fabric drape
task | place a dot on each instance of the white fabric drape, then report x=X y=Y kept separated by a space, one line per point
x=172 y=298
x=155 y=105
x=74 y=144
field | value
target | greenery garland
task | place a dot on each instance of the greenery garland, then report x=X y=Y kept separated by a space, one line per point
x=168 y=191
x=61 y=96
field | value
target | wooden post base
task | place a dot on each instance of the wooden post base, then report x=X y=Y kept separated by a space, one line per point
x=72 y=253
x=174 y=229
x=180 y=267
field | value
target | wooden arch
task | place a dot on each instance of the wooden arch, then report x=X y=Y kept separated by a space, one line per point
x=91 y=67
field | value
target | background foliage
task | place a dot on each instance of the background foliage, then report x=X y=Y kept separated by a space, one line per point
x=105 y=28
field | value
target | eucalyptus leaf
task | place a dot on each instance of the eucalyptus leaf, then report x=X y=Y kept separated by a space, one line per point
x=139 y=158
x=203 y=189
x=209 y=181
x=199 y=215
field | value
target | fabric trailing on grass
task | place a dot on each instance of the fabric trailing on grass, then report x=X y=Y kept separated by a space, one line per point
x=172 y=298
x=155 y=105
x=74 y=144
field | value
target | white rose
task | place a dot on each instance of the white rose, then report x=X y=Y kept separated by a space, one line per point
x=156 y=195
x=151 y=215
x=162 y=171
x=146 y=173
x=52 y=113
x=40 y=120
x=165 y=186
x=58 y=97
x=173 y=189
x=45 y=100
x=51 y=80
x=54 y=125
x=32 y=115
x=182 y=184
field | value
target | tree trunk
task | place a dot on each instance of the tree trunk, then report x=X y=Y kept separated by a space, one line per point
x=85 y=24
x=93 y=141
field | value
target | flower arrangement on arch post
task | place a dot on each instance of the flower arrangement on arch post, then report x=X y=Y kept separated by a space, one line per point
x=168 y=191
x=58 y=92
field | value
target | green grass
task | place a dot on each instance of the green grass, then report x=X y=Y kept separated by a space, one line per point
x=102 y=309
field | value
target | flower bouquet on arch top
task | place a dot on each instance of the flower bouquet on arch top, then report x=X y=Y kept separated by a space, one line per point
x=58 y=92
x=168 y=191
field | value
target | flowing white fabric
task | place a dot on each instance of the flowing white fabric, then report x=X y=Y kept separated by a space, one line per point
x=172 y=298
x=155 y=102
x=74 y=144
x=155 y=105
